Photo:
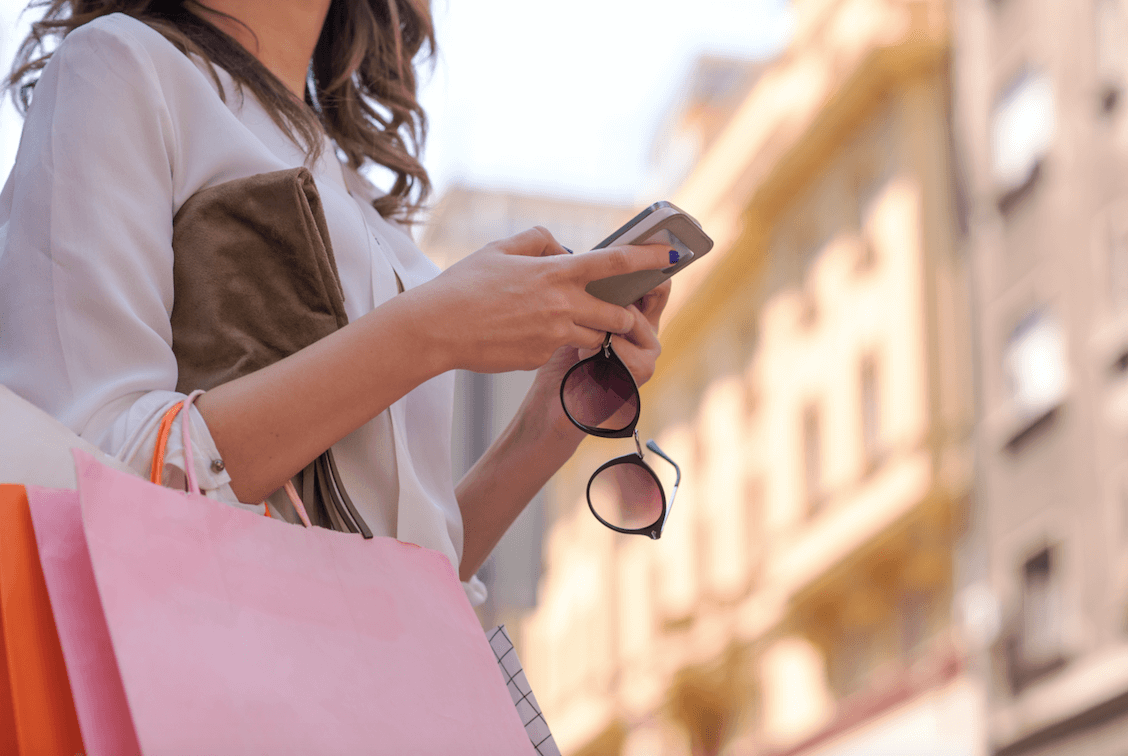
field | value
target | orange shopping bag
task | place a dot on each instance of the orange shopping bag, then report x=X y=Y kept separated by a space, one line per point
x=37 y=714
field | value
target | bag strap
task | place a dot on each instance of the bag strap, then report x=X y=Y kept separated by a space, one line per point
x=186 y=435
x=296 y=500
x=156 y=472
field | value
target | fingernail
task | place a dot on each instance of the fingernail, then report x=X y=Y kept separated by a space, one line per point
x=569 y=251
x=674 y=255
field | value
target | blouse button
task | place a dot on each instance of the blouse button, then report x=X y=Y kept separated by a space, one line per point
x=217 y=465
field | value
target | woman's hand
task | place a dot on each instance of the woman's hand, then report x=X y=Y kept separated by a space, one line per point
x=515 y=303
x=541 y=438
x=638 y=347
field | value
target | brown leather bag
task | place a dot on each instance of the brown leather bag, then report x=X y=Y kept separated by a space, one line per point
x=254 y=281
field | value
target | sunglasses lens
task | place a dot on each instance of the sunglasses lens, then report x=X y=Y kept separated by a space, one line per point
x=627 y=496
x=600 y=393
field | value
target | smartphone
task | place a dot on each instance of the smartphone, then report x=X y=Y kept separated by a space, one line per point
x=661 y=223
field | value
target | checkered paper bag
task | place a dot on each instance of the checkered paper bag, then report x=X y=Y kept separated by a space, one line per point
x=527 y=707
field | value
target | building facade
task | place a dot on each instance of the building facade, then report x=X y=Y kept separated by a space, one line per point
x=1041 y=123
x=815 y=387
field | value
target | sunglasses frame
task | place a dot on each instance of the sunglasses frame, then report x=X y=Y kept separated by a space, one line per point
x=605 y=353
x=654 y=529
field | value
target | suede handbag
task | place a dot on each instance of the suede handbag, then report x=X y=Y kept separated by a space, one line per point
x=255 y=281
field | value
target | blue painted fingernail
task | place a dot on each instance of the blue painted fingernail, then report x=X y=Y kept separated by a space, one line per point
x=674 y=256
x=569 y=251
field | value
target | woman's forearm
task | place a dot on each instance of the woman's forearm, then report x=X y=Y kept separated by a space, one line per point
x=498 y=487
x=509 y=306
x=270 y=424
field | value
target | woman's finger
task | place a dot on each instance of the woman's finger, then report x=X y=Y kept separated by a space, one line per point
x=639 y=360
x=615 y=261
x=603 y=317
x=640 y=334
x=653 y=303
x=535 y=242
x=631 y=346
x=587 y=340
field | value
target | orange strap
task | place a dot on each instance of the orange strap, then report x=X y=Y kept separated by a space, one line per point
x=156 y=472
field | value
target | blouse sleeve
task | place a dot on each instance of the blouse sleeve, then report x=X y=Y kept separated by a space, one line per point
x=86 y=253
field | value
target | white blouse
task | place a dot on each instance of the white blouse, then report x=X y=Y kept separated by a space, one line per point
x=123 y=128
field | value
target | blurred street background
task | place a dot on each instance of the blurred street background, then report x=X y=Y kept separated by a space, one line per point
x=897 y=387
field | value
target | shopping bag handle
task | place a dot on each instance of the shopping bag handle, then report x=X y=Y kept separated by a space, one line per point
x=296 y=500
x=156 y=471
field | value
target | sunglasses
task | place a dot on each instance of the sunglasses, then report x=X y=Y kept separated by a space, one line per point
x=600 y=397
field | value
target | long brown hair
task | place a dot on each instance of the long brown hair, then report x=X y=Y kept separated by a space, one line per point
x=361 y=89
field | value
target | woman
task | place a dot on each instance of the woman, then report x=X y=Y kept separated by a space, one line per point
x=145 y=104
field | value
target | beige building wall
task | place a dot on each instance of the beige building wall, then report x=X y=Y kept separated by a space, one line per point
x=1042 y=127
x=815 y=387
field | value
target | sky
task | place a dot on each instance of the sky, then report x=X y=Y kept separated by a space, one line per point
x=543 y=97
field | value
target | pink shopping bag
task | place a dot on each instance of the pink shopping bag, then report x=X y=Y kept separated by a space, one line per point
x=99 y=700
x=239 y=634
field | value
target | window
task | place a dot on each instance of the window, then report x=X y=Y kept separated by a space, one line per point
x=1120 y=491
x=1035 y=645
x=812 y=242
x=871 y=413
x=808 y=310
x=1041 y=612
x=1022 y=131
x=809 y=307
x=751 y=395
x=754 y=511
x=1118 y=266
x=812 y=458
x=1112 y=52
x=853 y=660
x=867 y=188
x=913 y=620
x=1036 y=367
x=867 y=256
x=748 y=332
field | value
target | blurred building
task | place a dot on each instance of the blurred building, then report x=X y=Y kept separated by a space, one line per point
x=1042 y=128
x=464 y=220
x=702 y=107
x=815 y=386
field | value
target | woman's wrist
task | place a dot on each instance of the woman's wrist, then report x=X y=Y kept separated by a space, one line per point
x=427 y=328
x=547 y=420
x=530 y=450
